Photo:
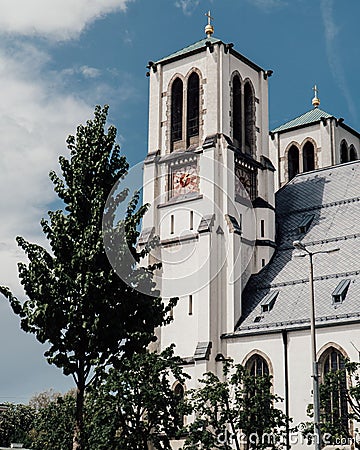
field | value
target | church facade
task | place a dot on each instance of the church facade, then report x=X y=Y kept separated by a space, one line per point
x=228 y=198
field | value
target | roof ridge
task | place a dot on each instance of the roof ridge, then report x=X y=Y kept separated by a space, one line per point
x=189 y=48
x=308 y=117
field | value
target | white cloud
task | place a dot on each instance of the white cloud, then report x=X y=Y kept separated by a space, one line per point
x=39 y=107
x=89 y=72
x=35 y=118
x=188 y=6
x=267 y=5
x=55 y=19
x=127 y=37
x=85 y=71
x=333 y=55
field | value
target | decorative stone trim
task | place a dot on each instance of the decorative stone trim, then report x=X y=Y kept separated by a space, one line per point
x=233 y=224
x=177 y=200
x=202 y=351
x=179 y=240
x=206 y=223
x=265 y=243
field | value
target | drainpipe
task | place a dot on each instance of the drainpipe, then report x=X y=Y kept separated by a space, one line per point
x=286 y=390
x=279 y=163
x=332 y=141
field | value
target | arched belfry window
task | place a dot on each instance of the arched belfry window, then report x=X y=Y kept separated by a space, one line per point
x=249 y=111
x=176 y=110
x=333 y=390
x=193 y=105
x=236 y=111
x=257 y=366
x=308 y=157
x=293 y=161
x=353 y=153
x=343 y=152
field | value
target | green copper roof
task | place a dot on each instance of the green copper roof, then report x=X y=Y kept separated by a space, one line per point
x=312 y=116
x=193 y=47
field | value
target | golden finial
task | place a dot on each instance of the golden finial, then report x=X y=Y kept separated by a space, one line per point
x=209 y=29
x=315 y=100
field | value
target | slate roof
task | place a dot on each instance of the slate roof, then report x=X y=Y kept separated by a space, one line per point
x=333 y=196
x=193 y=47
x=312 y=116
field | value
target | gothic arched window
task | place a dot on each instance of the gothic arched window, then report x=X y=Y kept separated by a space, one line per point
x=236 y=111
x=343 y=152
x=193 y=105
x=308 y=157
x=176 y=110
x=293 y=161
x=249 y=110
x=179 y=392
x=353 y=153
x=257 y=366
x=333 y=391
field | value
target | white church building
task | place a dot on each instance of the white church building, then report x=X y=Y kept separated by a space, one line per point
x=228 y=197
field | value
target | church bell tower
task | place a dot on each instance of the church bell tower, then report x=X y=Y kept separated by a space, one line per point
x=209 y=181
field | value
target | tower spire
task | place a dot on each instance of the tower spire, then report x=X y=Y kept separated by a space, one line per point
x=209 y=29
x=316 y=100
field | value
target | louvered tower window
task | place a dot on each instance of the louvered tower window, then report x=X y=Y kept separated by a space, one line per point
x=193 y=106
x=176 y=110
x=236 y=112
x=249 y=107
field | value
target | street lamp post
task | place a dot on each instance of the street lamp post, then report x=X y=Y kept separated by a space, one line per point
x=315 y=374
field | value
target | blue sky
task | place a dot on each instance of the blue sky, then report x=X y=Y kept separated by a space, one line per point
x=58 y=59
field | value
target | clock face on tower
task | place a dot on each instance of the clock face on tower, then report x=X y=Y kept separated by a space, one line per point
x=184 y=180
x=243 y=182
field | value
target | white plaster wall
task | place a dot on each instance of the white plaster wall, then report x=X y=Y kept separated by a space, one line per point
x=268 y=215
x=277 y=163
x=297 y=137
x=328 y=138
x=340 y=134
x=326 y=155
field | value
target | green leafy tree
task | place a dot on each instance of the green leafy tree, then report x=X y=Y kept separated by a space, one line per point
x=75 y=301
x=53 y=426
x=236 y=411
x=43 y=399
x=136 y=406
x=16 y=424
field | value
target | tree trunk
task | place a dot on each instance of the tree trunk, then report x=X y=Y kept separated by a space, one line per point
x=79 y=415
